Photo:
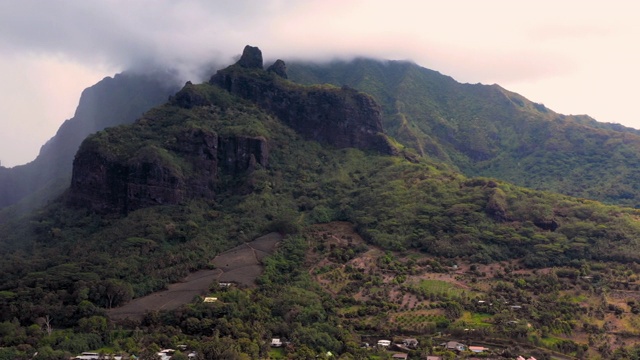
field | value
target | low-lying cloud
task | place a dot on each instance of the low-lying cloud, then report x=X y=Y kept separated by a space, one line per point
x=539 y=47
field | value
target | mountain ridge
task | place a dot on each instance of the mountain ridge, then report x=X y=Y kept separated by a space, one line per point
x=485 y=130
x=112 y=101
x=376 y=244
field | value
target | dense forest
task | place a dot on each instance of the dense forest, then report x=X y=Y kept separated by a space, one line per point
x=432 y=241
x=485 y=130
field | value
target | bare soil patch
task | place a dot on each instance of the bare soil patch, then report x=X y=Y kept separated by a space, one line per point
x=196 y=284
x=240 y=265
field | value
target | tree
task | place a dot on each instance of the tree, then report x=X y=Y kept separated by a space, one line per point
x=219 y=348
x=117 y=292
x=45 y=323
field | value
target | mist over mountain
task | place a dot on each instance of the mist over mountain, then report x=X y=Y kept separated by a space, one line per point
x=113 y=101
x=380 y=187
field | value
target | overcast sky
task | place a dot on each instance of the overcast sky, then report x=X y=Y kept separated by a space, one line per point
x=576 y=57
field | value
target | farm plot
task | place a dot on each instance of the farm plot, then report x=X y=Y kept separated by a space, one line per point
x=177 y=294
x=240 y=265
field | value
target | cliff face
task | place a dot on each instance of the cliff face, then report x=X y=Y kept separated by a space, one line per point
x=110 y=102
x=156 y=176
x=178 y=154
x=342 y=117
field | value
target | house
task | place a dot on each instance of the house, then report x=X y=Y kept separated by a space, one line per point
x=434 y=357
x=402 y=356
x=275 y=342
x=384 y=343
x=410 y=343
x=522 y=358
x=210 y=299
x=93 y=356
x=478 y=349
x=454 y=346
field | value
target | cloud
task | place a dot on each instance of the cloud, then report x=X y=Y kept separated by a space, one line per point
x=543 y=45
x=134 y=34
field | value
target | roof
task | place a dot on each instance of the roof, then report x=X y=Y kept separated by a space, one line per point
x=454 y=345
x=400 y=356
x=477 y=348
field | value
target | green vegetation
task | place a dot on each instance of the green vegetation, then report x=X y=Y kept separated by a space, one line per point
x=488 y=131
x=370 y=247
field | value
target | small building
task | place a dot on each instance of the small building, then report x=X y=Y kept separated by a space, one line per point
x=478 y=349
x=384 y=343
x=210 y=299
x=94 y=356
x=276 y=342
x=402 y=356
x=454 y=346
x=434 y=357
x=410 y=343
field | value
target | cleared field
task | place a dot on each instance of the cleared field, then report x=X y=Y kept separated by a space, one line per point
x=240 y=265
x=438 y=287
x=196 y=284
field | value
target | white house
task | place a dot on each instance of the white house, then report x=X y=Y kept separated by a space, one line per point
x=384 y=343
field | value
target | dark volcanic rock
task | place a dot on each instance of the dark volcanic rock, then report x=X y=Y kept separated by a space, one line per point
x=238 y=154
x=110 y=102
x=251 y=58
x=340 y=117
x=152 y=176
x=550 y=225
x=279 y=68
x=188 y=97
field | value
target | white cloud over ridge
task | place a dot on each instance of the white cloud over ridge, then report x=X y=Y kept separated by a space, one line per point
x=563 y=54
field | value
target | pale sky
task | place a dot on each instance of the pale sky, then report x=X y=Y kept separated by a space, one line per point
x=576 y=57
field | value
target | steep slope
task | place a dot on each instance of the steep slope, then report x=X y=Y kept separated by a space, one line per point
x=115 y=172
x=488 y=131
x=110 y=102
x=340 y=117
x=209 y=170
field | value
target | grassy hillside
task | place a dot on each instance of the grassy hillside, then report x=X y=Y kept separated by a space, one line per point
x=488 y=131
x=370 y=248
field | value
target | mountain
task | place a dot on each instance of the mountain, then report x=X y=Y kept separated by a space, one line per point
x=485 y=130
x=110 y=102
x=383 y=237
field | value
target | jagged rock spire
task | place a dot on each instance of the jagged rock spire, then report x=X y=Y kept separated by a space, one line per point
x=251 y=58
x=279 y=68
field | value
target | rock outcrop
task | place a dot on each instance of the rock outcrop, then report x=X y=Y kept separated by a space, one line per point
x=342 y=117
x=279 y=68
x=175 y=162
x=152 y=176
x=251 y=58
x=110 y=102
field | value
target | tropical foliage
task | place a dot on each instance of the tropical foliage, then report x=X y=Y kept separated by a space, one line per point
x=428 y=250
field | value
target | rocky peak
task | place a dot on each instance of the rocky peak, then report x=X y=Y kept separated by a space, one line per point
x=279 y=68
x=149 y=176
x=341 y=117
x=251 y=58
